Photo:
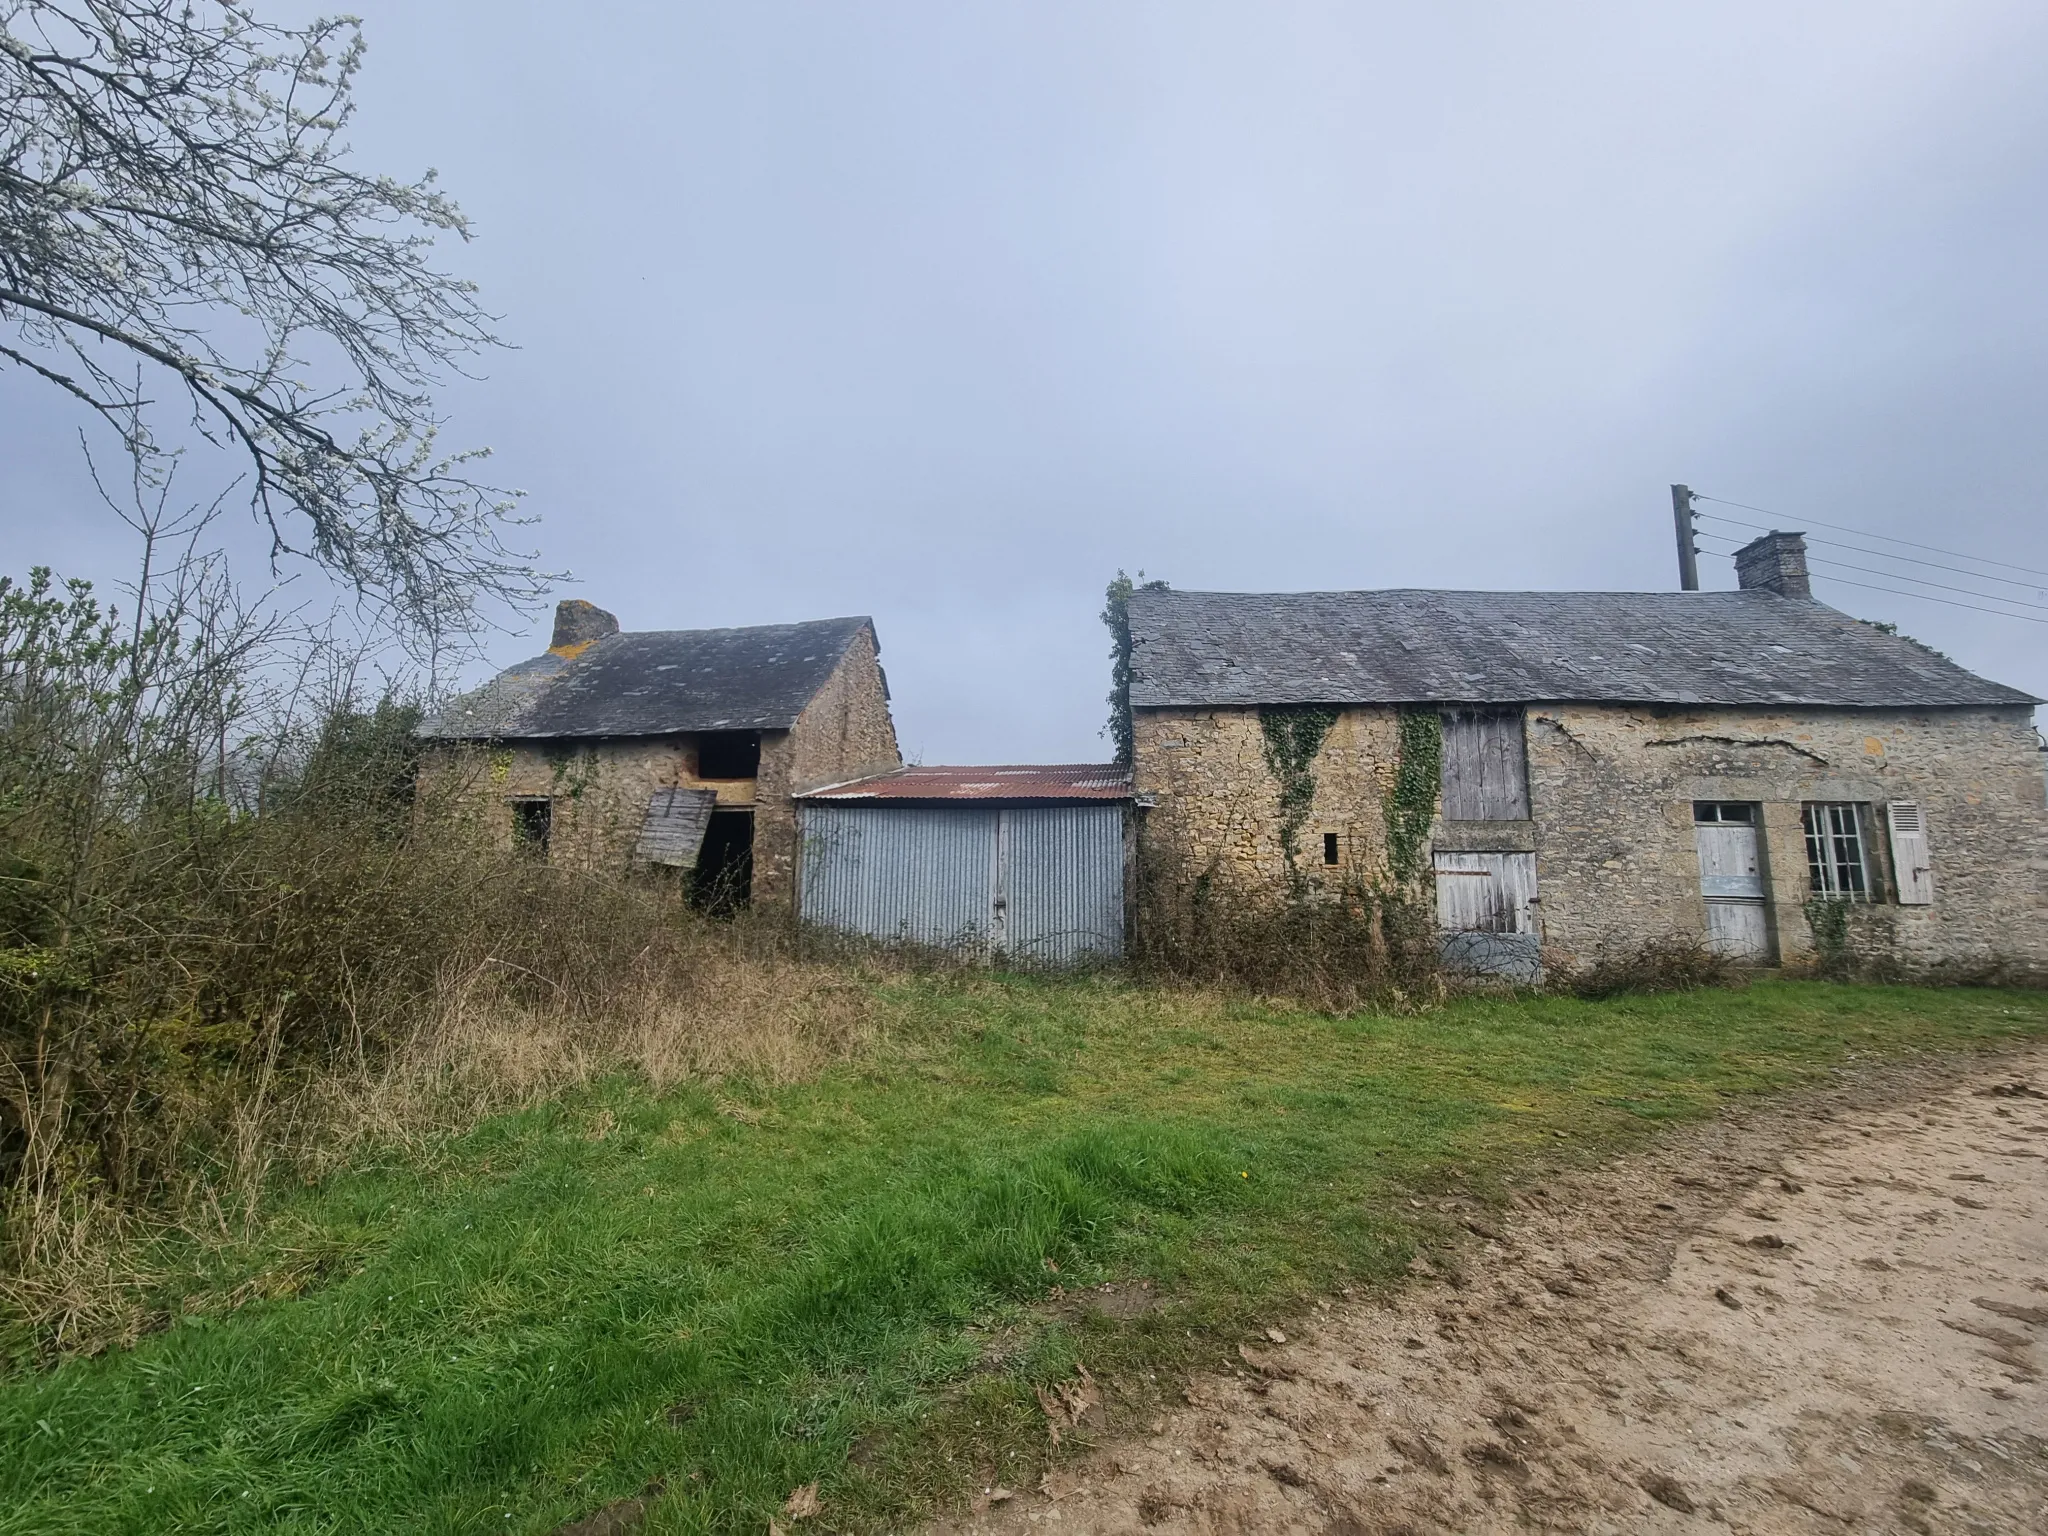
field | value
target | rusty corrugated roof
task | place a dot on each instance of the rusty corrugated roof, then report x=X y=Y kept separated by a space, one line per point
x=1008 y=781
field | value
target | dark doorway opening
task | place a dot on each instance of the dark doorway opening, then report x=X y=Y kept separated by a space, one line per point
x=723 y=880
x=532 y=821
x=729 y=755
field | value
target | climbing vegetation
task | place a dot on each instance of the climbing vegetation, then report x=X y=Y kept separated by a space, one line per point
x=1294 y=735
x=1410 y=806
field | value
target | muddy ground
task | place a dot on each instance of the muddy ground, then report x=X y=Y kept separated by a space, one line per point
x=1815 y=1316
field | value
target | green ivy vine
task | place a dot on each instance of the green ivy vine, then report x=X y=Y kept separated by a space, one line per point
x=1410 y=806
x=1828 y=916
x=1116 y=616
x=1294 y=735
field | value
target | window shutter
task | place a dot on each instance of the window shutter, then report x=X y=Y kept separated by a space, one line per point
x=1910 y=863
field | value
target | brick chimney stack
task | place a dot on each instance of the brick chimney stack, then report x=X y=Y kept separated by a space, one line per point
x=577 y=623
x=1774 y=562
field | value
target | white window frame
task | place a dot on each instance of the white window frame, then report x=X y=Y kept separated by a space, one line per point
x=1833 y=828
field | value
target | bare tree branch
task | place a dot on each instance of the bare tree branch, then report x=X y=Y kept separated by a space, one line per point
x=174 y=190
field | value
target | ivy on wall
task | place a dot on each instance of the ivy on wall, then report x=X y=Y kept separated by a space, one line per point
x=1116 y=616
x=1410 y=806
x=1294 y=735
x=1828 y=917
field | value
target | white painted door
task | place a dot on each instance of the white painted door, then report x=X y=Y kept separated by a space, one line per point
x=1732 y=881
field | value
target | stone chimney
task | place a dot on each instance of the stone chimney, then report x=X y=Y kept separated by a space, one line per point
x=1774 y=562
x=577 y=623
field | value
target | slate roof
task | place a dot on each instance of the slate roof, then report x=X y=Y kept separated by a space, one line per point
x=1405 y=646
x=1007 y=781
x=656 y=682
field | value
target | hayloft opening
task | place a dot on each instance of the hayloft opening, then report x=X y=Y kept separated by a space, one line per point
x=532 y=821
x=1485 y=766
x=729 y=755
x=723 y=881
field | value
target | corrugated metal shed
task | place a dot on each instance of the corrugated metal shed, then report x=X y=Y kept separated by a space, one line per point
x=1017 y=861
x=1208 y=649
x=673 y=831
x=657 y=682
x=1045 y=781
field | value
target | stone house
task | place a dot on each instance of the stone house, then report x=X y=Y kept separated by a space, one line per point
x=1589 y=771
x=679 y=749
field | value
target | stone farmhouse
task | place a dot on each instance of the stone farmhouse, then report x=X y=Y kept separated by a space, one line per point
x=1597 y=769
x=677 y=749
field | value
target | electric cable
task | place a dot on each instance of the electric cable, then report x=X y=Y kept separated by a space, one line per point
x=1926 y=597
x=1885 y=554
x=1865 y=533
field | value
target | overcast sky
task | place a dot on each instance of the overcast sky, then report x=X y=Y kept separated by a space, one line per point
x=943 y=312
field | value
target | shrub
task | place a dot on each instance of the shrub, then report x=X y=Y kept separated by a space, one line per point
x=1678 y=963
x=1363 y=949
x=232 y=944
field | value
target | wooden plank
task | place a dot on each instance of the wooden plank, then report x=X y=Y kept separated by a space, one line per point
x=1912 y=862
x=1485 y=892
x=1485 y=766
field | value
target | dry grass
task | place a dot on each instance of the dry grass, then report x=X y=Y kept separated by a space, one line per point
x=1677 y=963
x=764 y=1018
x=1366 y=949
x=722 y=1003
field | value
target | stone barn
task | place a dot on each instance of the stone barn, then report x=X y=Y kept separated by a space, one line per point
x=1567 y=775
x=680 y=749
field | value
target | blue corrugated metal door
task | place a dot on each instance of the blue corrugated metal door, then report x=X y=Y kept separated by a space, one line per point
x=1063 y=882
x=910 y=874
x=1045 y=884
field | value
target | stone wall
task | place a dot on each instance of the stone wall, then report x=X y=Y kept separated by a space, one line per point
x=845 y=732
x=1612 y=790
x=598 y=790
x=1217 y=803
x=1611 y=793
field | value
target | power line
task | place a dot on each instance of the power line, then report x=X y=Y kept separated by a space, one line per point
x=1883 y=554
x=1925 y=597
x=1915 y=580
x=1886 y=538
x=2026 y=618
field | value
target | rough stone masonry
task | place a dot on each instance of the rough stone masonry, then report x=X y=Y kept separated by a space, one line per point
x=1633 y=720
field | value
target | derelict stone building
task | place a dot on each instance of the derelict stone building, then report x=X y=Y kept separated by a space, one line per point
x=1750 y=767
x=681 y=749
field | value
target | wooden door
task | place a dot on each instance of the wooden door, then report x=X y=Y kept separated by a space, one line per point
x=1485 y=892
x=1732 y=882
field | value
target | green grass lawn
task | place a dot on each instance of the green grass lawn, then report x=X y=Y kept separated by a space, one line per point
x=734 y=1292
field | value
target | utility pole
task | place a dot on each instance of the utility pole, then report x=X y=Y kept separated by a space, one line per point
x=1688 y=555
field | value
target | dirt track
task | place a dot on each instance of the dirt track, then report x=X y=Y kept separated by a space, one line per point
x=1815 y=1317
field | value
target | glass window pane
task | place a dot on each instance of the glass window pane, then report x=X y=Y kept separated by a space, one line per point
x=1834 y=851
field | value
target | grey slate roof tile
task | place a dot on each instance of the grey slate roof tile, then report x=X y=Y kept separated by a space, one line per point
x=1410 y=646
x=656 y=682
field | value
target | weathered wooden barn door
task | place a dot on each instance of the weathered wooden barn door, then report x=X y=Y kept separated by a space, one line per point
x=1731 y=880
x=1485 y=907
x=1485 y=766
x=1485 y=892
